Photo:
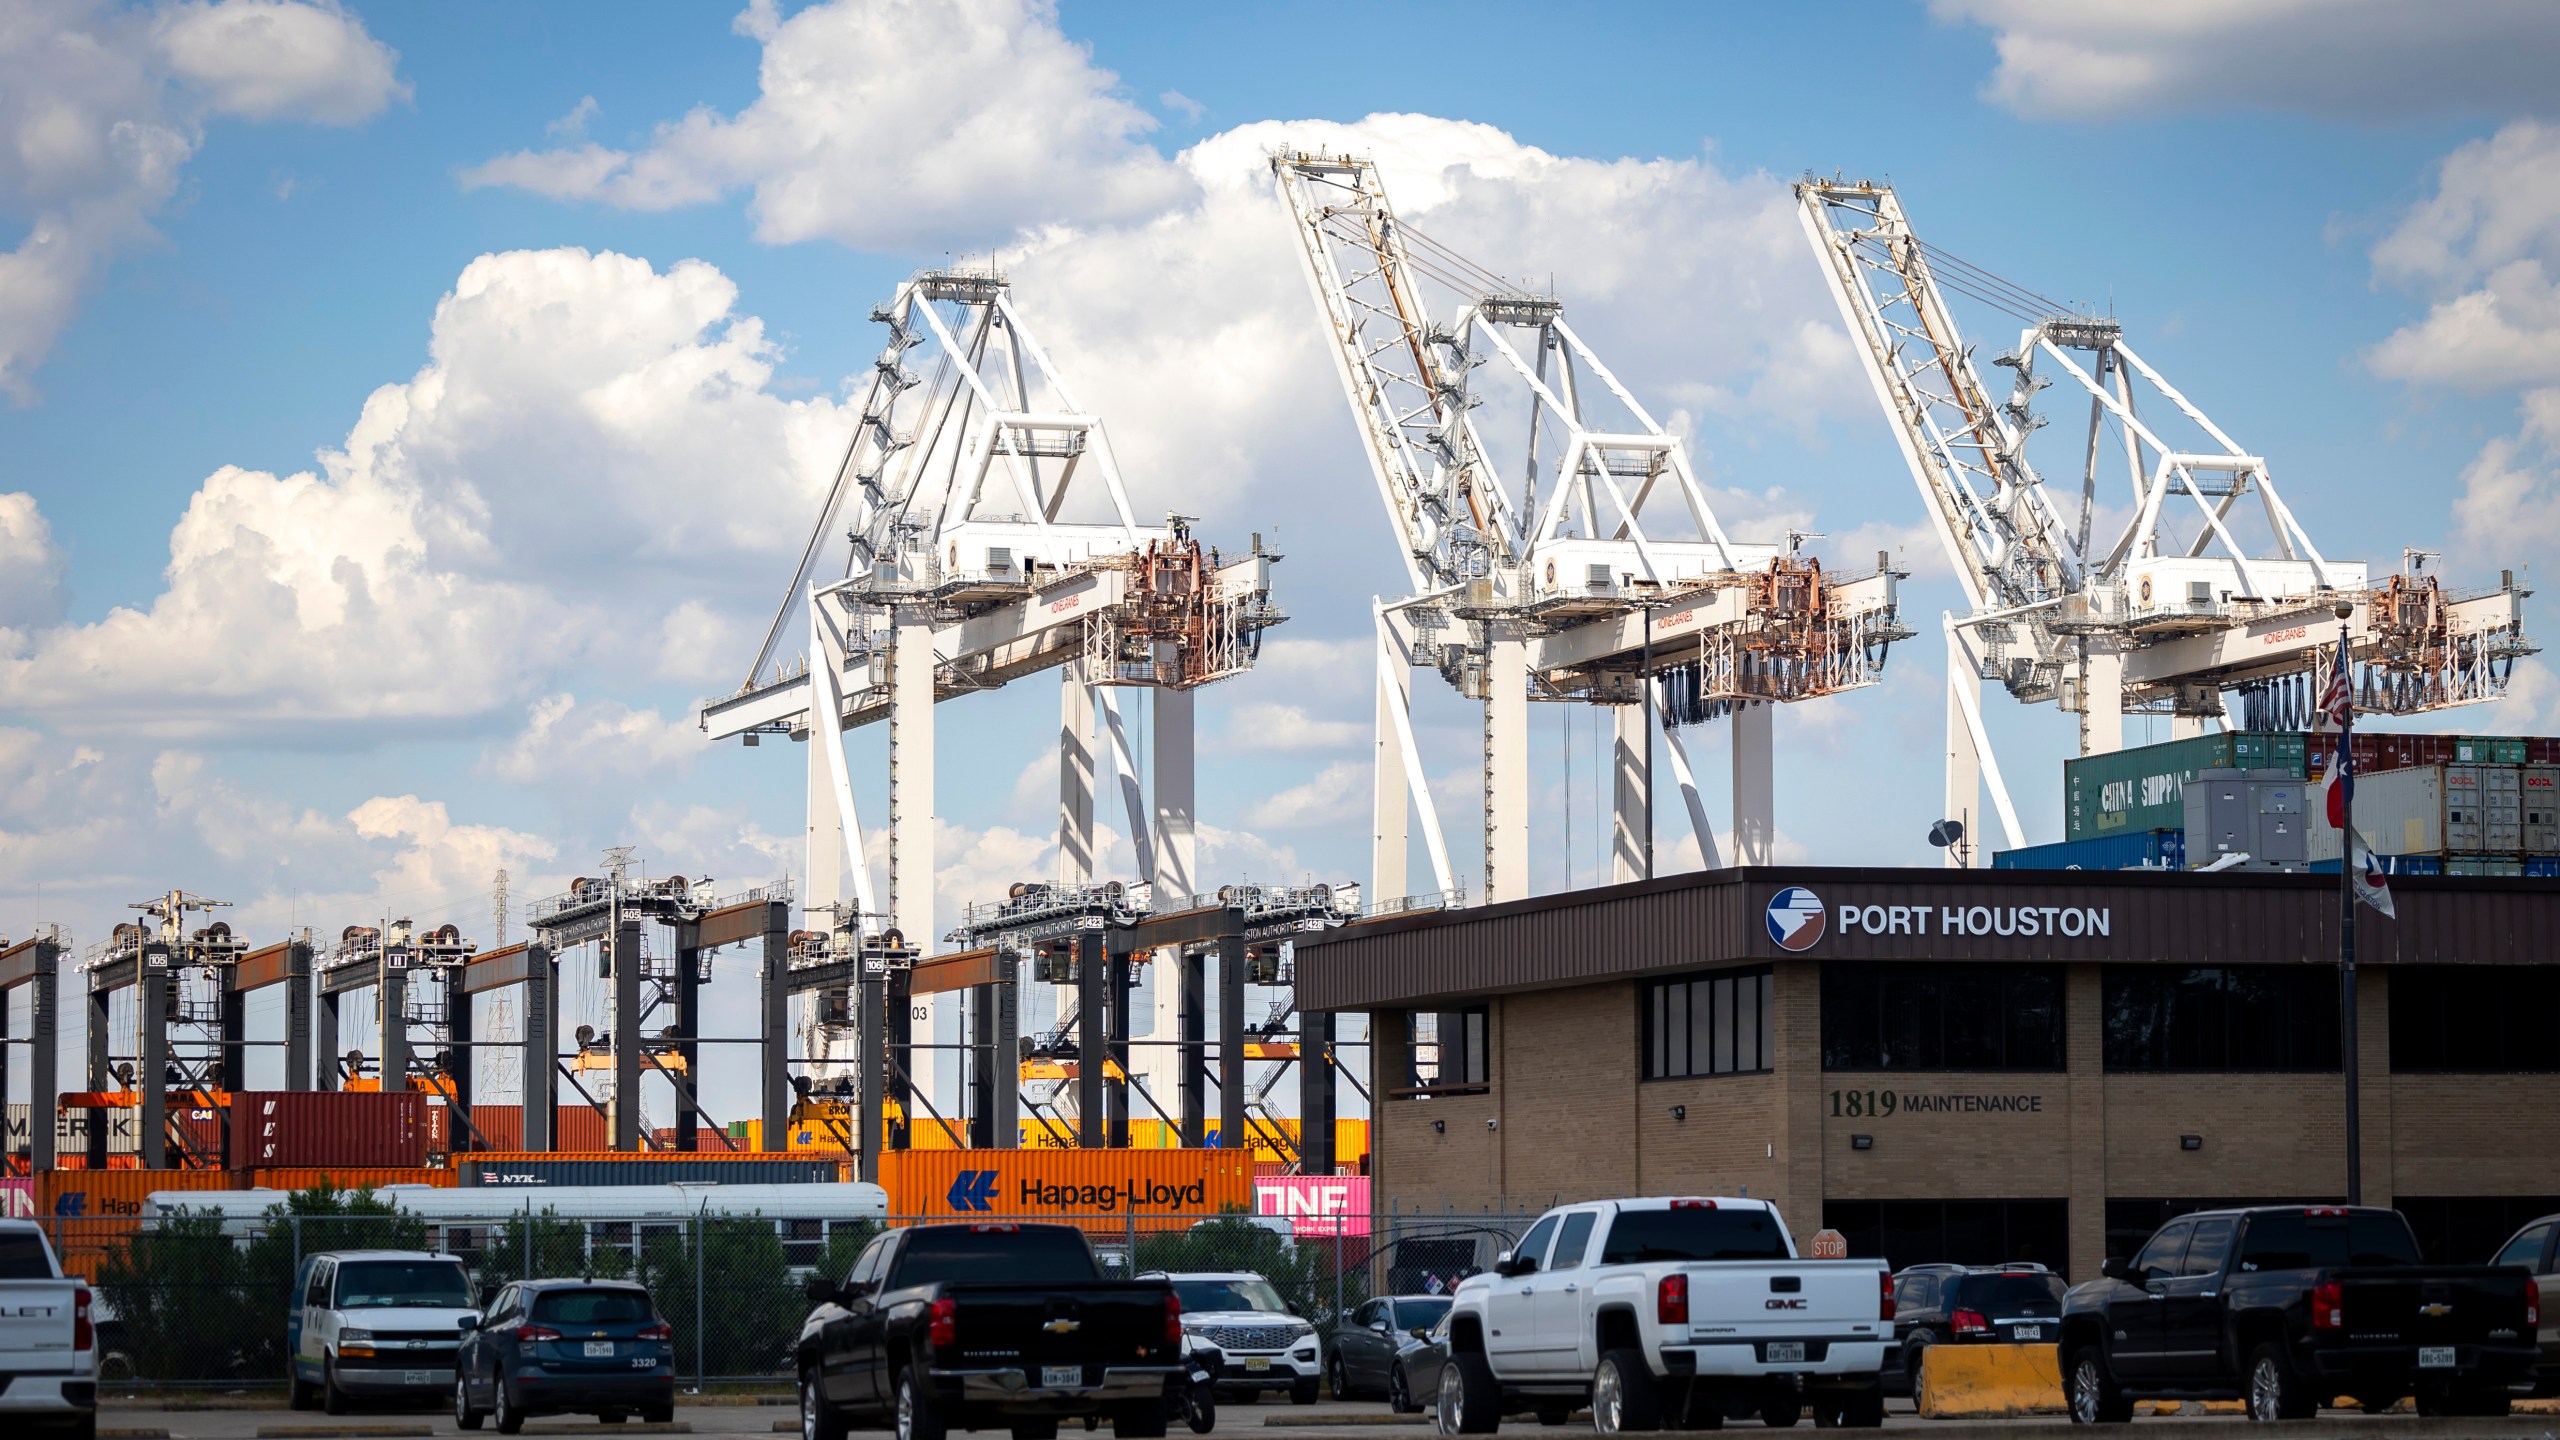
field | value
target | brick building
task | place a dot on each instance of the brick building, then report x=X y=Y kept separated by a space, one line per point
x=1965 y=1065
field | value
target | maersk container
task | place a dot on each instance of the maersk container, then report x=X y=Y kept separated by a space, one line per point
x=2146 y=849
x=645 y=1168
x=385 y=1128
x=2129 y=791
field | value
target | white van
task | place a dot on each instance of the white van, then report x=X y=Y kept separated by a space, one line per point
x=375 y=1323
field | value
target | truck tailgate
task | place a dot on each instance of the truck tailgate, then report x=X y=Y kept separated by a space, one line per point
x=36 y=1322
x=2433 y=1305
x=1761 y=1299
x=1118 y=1323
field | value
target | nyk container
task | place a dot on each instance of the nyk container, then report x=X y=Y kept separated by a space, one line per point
x=645 y=1167
x=328 y=1127
x=1105 y=1191
x=2139 y=850
x=2128 y=791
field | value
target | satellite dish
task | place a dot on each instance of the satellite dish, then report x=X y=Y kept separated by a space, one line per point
x=1946 y=833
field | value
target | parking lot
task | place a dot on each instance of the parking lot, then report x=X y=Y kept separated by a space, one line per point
x=1325 y=1421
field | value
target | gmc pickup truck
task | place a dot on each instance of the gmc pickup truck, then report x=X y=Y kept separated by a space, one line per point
x=966 y=1327
x=2290 y=1306
x=1666 y=1313
x=48 y=1340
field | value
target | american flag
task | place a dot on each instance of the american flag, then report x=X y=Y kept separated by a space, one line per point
x=2338 y=705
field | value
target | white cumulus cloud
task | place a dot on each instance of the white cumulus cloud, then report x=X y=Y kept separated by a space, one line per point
x=2362 y=60
x=889 y=123
x=31 y=566
x=101 y=107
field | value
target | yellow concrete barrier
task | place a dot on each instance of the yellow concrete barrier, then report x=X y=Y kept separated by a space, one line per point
x=1983 y=1382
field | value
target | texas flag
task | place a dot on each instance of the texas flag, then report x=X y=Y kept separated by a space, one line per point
x=2372 y=883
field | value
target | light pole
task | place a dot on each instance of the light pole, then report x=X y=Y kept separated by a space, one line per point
x=2347 y=931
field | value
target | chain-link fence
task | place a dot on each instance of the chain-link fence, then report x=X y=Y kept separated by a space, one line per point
x=191 y=1300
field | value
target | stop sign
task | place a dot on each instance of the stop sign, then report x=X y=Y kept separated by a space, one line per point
x=1830 y=1245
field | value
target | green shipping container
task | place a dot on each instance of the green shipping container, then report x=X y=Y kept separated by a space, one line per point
x=2488 y=750
x=2145 y=788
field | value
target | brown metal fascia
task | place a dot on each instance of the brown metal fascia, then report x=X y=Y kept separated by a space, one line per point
x=21 y=962
x=731 y=924
x=962 y=970
x=272 y=965
x=498 y=969
x=1178 y=927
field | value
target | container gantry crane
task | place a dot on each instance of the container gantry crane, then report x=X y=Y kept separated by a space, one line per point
x=943 y=588
x=2142 y=621
x=1559 y=593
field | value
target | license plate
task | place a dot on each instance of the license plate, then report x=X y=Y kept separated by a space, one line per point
x=2435 y=1357
x=1786 y=1352
x=1061 y=1375
x=599 y=1349
x=2030 y=1332
x=1258 y=1362
x=419 y=1377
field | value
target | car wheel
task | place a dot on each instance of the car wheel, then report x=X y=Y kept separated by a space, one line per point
x=299 y=1394
x=464 y=1417
x=2275 y=1392
x=818 y=1420
x=918 y=1420
x=1781 y=1407
x=1335 y=1379
x=2095 y=1400
x=1399 y=1397
x=1623 y=1397
x=332 y=1399
x=509 y=1410
x=1470 y=1403
x=1200 y=1409
x=1303 y=1392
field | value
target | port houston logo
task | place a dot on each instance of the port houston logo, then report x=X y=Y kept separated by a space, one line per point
x=1796 y=919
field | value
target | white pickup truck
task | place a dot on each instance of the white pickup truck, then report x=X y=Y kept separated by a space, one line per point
x=1666 y=1313
x=48 y=1341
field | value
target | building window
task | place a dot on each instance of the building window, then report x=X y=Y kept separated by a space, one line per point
x=1903 y=1016
x=2476 y=1019
x=2468 y=1229
x=2221 y=1017
x=1723 y=1023
x=1446 y=1052
x=1954 y=1232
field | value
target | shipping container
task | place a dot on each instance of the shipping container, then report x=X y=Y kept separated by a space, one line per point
x=2138 y=850
x=2127 y=791
x=2542 y=867
x=92 y=1213
x=2391 y=864
x=578 y=1128
x=2541 y=810
x=2483 y=865
x=1107 y=1191
x=2488 y=750
x=343 y=1177
x=71 y=1130
x=647 y=1167
x=328 y=1127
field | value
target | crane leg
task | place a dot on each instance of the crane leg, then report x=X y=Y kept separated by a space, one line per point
x=2102 y=703
x=1628 y=850
x=1755 y=829
x=1075 y=776
x=1175 y=856
x=1506 y=766
x=1387 y=832
x=1963 y=802
x=911 y=822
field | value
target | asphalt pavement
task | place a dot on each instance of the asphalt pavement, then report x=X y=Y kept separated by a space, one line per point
x=220 y=1420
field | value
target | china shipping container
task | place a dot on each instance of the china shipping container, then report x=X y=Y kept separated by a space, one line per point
x=328 y=1127
x=2141 y=849
x=2128 y=791
x=1106 y=1191
x=646 y=1167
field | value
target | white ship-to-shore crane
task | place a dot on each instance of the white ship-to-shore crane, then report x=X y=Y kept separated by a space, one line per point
x=2140 y=621
x=965 y=570
x=1555 y=591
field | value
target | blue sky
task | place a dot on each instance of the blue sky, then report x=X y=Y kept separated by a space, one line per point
x=2334 y=230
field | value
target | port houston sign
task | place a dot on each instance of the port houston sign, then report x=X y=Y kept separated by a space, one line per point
x=2069 y=921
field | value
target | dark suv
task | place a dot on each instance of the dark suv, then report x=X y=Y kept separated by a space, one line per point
x=1970 y=1304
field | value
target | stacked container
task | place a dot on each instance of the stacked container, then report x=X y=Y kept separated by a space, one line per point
x=328 y=1127
x=2129 y=791
x=2139 y=850
x=645 y=1167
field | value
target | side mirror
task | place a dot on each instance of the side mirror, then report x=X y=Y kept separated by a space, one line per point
x=1381 y=1326
x=820 y=1290
x=467 y=1322
x=2118 y=1268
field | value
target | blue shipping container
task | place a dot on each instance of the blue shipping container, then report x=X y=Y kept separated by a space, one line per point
x=2156 y=849
x=2399 y=865
x=2545 y=867
x=745 y=1170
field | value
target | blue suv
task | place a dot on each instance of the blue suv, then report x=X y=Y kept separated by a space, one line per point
x=553 y=1347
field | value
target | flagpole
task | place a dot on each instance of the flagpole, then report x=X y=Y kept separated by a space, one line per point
x=2347 y=938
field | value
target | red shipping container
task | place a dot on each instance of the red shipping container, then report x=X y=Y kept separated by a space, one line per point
x=328 y=1127
x=501 y=1127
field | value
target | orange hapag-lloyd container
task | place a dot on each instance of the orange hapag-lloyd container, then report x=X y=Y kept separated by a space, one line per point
x=91 y=1213
x=342 y=1177
x=1102 y=1190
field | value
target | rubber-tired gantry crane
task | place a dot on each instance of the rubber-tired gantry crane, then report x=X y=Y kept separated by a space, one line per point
x=2141 y=621
x=1557 y=592
x=964 y=569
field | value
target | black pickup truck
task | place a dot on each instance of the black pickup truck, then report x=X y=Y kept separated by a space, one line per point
x=967 y=1327
x=2290 y=1307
